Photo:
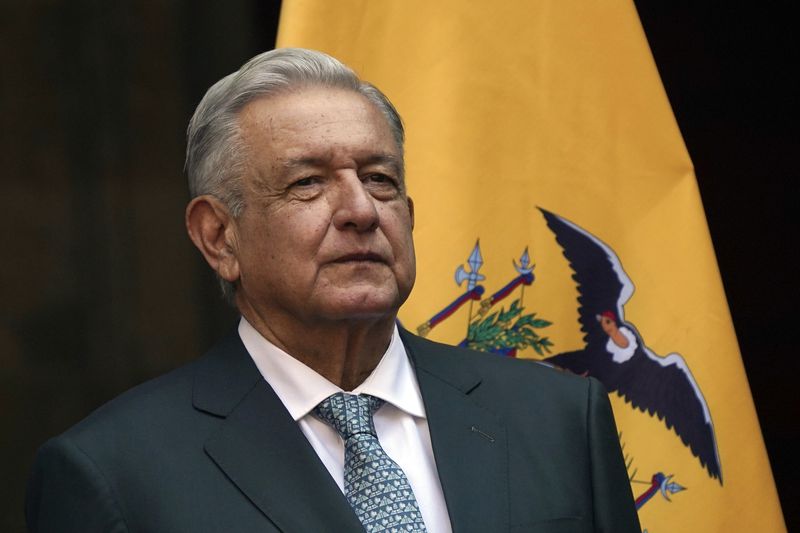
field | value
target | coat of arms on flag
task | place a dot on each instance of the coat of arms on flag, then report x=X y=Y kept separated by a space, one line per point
x=615 y=352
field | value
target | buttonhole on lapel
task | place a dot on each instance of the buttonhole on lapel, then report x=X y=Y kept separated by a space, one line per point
x=482 y=434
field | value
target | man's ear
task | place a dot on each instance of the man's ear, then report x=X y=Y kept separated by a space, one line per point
x=213 y=230
x=410 y=203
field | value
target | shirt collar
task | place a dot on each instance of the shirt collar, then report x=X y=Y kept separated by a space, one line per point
x=300 y=388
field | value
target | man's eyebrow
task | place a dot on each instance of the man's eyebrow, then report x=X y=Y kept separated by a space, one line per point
x=301 y=162
x=392 y=160
x=386 y=159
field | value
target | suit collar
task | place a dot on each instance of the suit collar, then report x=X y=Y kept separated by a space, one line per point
x=437 y=360
x=469 y=441
x=301 y=389
x=224 y=376
x=227 y=372
x=262 y=450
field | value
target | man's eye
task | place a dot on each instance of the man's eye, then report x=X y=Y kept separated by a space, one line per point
x=380 y=179
x=305 y=182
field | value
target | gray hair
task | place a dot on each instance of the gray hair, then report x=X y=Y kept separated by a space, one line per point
x=216 y=157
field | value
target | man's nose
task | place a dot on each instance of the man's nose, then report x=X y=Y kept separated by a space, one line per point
x=354 y=206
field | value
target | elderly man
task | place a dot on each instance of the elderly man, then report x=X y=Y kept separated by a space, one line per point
x=318 y=413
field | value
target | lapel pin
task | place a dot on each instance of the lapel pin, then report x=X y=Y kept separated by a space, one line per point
x=482 y=434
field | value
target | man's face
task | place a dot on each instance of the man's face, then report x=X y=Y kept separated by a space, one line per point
x=326 y=231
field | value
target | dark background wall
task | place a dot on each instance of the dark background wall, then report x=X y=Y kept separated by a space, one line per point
x=101 y=289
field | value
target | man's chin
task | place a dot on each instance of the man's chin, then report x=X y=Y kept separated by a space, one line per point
x=365 y=304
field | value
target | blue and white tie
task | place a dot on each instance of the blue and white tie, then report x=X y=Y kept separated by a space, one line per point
x=374 y=484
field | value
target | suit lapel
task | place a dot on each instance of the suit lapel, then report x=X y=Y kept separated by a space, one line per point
x=469 y=442
x=261 y=448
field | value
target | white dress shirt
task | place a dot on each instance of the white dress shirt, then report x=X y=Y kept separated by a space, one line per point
x=400 y=423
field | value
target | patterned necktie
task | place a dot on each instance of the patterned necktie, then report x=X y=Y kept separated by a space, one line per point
x=374 y=484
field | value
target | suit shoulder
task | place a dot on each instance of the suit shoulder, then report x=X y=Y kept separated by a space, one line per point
x=154 y=399
x=158 y=409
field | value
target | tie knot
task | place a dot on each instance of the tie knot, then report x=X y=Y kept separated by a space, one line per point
x=349 y=414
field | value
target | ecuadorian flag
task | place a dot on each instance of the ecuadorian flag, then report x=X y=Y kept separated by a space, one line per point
x=558 y=219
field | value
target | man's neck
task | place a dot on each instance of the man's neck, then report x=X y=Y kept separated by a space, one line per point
x=343 y=352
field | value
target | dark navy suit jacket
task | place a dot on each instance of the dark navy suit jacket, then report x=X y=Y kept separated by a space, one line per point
x=209 y=447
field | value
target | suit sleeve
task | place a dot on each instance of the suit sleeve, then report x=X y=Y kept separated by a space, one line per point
x=614 y=509
x=68 y=493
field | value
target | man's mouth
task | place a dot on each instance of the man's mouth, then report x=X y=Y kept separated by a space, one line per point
x=361 y=257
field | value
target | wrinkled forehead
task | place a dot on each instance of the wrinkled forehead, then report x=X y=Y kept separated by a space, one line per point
x=317 y=122
x=334 y=92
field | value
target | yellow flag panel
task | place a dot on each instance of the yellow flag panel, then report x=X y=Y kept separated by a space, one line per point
x=558 y=218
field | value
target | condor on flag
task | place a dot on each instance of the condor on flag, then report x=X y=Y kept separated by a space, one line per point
x=558 y=219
